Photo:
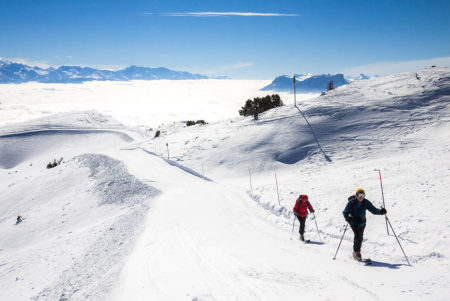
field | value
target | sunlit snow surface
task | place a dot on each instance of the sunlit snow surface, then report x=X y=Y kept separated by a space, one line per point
x=127 y=216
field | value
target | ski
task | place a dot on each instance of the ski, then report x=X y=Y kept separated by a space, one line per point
x=366 y=261
x=306 y=241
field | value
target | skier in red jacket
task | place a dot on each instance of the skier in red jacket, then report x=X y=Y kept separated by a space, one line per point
x=300 y=210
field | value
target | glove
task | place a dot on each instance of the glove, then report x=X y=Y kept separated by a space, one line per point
x=383 y=211
x=296 y=213
x=349 y=219
x=312 y=211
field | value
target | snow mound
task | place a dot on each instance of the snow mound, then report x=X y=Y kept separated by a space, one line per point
x=81 y=220
x=69 y=120
x=112 y=180
x=60 y=135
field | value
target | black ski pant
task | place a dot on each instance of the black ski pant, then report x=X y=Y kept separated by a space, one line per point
x=302 y=221
x=358 y=239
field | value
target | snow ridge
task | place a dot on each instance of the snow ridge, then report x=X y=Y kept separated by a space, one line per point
x=113 y=182
x=95 y=271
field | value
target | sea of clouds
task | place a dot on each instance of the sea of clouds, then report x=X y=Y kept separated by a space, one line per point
x=134 y=103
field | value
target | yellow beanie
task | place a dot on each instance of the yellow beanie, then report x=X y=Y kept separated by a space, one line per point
x=360 y=190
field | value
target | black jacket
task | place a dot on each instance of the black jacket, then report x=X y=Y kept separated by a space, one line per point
x=359 y=213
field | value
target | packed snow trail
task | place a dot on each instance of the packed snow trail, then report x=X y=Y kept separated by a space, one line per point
x=207 y=241
x=200 y=243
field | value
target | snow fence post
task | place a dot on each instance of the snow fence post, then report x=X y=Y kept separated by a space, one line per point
x=295 y=100
x=278 y=193
x=167 y=145
x=250 y=177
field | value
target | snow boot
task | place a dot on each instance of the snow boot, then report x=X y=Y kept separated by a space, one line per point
x=357 y=256
x=302 y=238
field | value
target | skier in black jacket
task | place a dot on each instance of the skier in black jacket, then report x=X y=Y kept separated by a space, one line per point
x=355 y=214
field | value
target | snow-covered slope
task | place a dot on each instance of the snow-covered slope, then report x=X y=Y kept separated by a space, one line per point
x=88 y=120
x=131 y=217
x=64 y=135
x=350 y=122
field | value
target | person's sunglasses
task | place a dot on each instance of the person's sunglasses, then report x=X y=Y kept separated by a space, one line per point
x=361 y=194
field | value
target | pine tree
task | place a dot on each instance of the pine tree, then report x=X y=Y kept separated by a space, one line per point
x=260 y=104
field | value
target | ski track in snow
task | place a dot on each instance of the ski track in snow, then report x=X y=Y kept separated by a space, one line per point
x=359 y=287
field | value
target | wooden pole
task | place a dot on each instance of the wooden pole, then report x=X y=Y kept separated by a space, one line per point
x=250 y=177
x=167 y=145
x=276 y=182
x=295 y=98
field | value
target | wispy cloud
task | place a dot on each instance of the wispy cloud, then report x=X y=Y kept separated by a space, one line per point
x=221 y=14
x=384 y=68
x=238 y=65
x=220 y=70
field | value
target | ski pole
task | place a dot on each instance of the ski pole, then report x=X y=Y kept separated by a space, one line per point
x=397 y=240
x=316 y=226
x=382 y=195
x=292 y=234
x=346 y=226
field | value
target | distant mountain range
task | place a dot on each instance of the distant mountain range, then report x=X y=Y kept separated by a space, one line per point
x=359 y=77
x=11 y=72
x=307 y=83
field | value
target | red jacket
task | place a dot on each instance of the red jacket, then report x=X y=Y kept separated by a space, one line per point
x=301 y=204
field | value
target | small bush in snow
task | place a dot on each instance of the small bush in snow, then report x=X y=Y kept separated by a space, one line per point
x=260 y=104
x=55 y=163
x=191 y=122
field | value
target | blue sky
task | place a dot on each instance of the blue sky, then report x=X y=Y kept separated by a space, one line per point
x=273 y=38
